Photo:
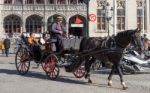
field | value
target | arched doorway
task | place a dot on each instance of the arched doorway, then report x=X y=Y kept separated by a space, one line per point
x=12 y=25
x=34 y=24
x=52 y=19
x=77 y=26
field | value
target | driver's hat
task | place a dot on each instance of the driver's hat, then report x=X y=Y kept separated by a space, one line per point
x=59 y=18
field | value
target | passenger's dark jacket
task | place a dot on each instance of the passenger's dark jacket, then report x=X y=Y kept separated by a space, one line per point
x=7 y=43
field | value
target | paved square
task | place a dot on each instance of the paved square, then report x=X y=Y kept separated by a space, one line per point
x=35 y=81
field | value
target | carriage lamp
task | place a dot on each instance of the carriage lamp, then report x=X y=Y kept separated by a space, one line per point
x=108 y=16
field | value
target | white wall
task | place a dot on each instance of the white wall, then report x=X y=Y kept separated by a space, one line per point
x=132 y=14
x=148 y=18
x=1 y=1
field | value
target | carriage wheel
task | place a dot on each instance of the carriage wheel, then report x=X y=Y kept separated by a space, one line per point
x=50 y=66
x=22 y=61
x=79 y=72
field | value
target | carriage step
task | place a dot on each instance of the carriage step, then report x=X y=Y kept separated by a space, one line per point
x=63 y=64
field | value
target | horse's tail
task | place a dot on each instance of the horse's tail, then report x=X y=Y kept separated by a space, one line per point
x=82 y=44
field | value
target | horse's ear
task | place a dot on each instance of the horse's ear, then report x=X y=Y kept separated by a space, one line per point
x=138 y=30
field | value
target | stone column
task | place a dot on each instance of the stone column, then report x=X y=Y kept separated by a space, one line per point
x=23 y=24
x=92 y=24
x=23 y=1
x=67 y=2
x=67 y=25
x=2 y=30
x=114 y=17
x=13 y=1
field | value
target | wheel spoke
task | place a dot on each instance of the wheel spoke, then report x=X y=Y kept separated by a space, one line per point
x=22 y=64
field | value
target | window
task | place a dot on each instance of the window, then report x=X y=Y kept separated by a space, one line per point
x=72 y=1
x=51 y=1
x=75 y=1
x=34 y=24
x=140 y=19
x=7 y=1
x=12 y=24
x=121 y=19
x=40 y=1
x=101 y=25
x=61 y=1
x=80 y=1
x=18 y=2
x=29 y=1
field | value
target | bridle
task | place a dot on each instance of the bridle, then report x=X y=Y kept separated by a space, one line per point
x=136 y=44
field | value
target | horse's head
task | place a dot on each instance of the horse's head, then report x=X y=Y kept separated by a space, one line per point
x=130 y=36
x=136 y=39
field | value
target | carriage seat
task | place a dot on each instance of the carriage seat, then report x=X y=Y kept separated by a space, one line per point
x=53 y=39
x=25 y=39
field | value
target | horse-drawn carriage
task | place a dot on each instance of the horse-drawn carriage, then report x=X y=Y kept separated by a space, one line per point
x=106 y=49
x=50 y=61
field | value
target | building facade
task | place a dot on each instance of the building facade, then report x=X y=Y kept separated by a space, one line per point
x=114 y=16
x=105 y=17
x=19 y=16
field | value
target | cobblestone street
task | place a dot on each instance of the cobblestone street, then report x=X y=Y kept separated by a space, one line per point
x=35 y=81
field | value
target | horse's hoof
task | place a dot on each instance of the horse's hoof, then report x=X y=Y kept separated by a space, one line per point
x=109 y=83
x=86 y=76
x=124 y=88
x=89 y=81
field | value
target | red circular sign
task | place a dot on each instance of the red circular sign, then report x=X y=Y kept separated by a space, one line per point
x=92 y=17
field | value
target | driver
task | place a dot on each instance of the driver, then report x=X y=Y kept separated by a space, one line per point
x=58 y=32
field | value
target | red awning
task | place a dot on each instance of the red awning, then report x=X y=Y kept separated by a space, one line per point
x=78 y=20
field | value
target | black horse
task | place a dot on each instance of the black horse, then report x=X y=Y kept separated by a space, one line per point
x=109 y=49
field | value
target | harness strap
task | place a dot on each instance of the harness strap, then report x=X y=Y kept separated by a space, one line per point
x=104 y=43
x=113 y=43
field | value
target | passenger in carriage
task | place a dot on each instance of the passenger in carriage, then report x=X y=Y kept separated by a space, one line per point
x=35 y=48
x=31 y=39
x=42 y=43
x=42 y=40
x=57 y=31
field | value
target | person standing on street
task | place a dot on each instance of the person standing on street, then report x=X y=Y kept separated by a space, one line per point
x=7 y=46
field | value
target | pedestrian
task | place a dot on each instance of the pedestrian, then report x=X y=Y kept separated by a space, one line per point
x=1 y=44
x=2 y=47
x=58 y=32
x=7 y=46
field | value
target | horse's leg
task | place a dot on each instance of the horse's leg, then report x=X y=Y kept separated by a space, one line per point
x=110 y=76
x=121 y=77
x=87 y=68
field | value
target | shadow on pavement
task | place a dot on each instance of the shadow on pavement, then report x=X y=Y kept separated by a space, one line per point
x=7 y=71
x=63 y=79
x=40 y=75
x=30 y=74
x=66 y=79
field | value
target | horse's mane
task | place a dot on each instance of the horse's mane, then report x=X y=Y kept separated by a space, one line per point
x=125 y=33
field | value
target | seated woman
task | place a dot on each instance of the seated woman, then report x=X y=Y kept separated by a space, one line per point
x=35 y=49
x=31 y=39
